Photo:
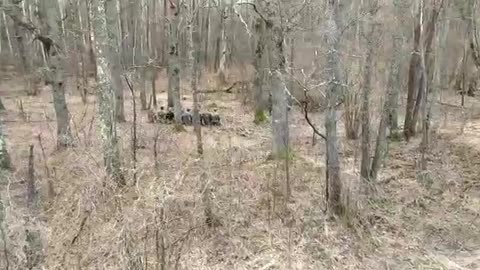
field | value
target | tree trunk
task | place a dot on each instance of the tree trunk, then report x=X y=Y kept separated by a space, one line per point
x=428 y=59
x=415 y=95
x=153 y=74
x=334 y=184
x=165 y=34
x=194 y=59
x=394 y=85
x=221 y=54
x=91 y=52
x=380 y=145
x=56 y=74
x=106 y=92
x=280 y=132
x=414 y=80
x=5 y=163
x=174 y=63
x=140 y=58
x=258 y=83
x=142 y=86
x=394 y=77
x=24 y=54
x=114 y=60
x=2 y=107
x=367 y=89
x=7 y=33
x=207 y=36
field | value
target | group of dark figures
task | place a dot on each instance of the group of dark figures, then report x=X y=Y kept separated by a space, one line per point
x=168 y=117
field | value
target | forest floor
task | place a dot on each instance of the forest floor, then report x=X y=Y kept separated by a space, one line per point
x=417 y=220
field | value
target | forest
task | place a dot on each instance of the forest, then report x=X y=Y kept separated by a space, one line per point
x=240 y=134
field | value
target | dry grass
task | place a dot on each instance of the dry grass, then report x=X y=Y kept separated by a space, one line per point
x=91 y=224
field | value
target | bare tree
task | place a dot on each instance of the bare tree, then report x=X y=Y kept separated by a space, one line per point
x=173 y=60
x=260 y=69
x=394 y=78
x=221 y=49
x=24 y=52
x=106 y=94
x=334 y=184
x=115 y=64
x=280 y=130
x=194 y=38
x=367 y=89
x=56 y=74
x=415 y=94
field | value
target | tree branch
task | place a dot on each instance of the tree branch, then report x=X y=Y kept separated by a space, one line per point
x=256 y=11
x=305 y=113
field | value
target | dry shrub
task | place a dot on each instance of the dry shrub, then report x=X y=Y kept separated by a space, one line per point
x=352 y=114
x=351 y=196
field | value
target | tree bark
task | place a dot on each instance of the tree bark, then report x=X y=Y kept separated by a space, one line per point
x=56 y=74
x=7 y=32
x=334 y=184
x=5 y=163
x=258 y=83
x=194 y=38
x=174 y=63
x=280 y=130
x=106 y=92
x=2 y=107
x=24 y=53
x=415 y=95
x=367 y=89
x=394 y=85
x=207 y=36
x=115 y=64
x=414 y=80
x=221 y=50
x=394 y=77
x=91 y=52
x=142 y=86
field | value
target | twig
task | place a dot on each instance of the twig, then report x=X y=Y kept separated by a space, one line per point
x=82 y=225
x=305 y=113
x=256 y=11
